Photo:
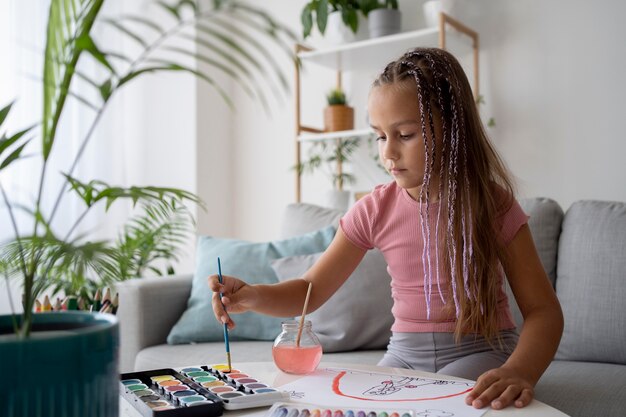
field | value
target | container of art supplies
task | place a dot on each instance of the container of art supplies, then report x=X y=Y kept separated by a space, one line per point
x=297 y=358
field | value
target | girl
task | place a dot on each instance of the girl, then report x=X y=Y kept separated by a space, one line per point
x=450 y=230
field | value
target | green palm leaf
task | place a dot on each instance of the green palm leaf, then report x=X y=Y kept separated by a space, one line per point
x=68 y=21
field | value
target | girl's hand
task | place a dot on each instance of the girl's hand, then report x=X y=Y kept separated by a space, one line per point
x=500 y=387
x=237 y=297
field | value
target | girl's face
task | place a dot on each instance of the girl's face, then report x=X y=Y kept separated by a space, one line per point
x=395 y=118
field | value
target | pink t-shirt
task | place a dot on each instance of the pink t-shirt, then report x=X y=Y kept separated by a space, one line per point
x=388 y=219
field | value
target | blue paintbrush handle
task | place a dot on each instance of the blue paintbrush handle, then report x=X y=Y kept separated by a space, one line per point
x=219 y=273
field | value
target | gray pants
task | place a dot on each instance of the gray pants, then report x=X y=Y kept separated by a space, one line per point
x=437 y=352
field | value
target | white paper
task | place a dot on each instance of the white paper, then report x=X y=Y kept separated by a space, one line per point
x=342 y=387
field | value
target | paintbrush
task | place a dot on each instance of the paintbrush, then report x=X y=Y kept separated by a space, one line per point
x=226 y=342
x=306 y=305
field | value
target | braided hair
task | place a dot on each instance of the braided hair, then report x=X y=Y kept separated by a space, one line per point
x=474 y=189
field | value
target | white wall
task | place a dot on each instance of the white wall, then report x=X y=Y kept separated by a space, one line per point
x=551 y=73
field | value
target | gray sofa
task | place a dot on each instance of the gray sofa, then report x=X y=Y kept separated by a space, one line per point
x=583 y=252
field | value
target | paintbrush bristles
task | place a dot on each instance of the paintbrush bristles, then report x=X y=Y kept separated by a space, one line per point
x=306 y=304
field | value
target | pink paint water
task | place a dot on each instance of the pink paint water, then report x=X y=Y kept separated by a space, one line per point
x=297 y=360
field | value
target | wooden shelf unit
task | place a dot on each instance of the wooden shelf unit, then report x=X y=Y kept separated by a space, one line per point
x=356 y=56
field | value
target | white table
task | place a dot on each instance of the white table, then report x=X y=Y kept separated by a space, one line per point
x=267 y=372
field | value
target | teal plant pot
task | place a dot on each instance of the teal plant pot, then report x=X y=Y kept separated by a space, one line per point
x=68 y=367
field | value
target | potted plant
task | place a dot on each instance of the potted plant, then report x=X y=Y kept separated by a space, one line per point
x=325 y=157
x=338 y=115
x=383 y=17
x=66 y=363
x=337 y=20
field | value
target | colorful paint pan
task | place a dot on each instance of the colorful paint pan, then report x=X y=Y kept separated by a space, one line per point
x=201 y=379
x=164 y=384
x=254 y=385
x=242 y=381
x=136 y=387
x=192 y=369
x=160 y=378
x=192 y=399
x=148 y=398
x=213 y=384
x=158 y=403
x=222 y=389
x=166 y=407
x=131 y=381
x=184 y=393
x=235 y=376
x=197 y=373
x=175 y=388
x=229 y=395
x=263 y=390
x=217 y=367
x=144 y=392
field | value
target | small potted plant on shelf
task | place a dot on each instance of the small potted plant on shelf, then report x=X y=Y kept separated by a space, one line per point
x=383 y=17
x=337 y=20
x=338 y=115
x=325 y=156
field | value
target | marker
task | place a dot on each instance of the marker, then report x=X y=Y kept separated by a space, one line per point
x=226 y=342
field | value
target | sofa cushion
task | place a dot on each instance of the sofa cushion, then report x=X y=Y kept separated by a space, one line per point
x=584 y=388
x=545 y=221
x=364 y=298
x=591 y=283
x=250 y=262
x=300 y=218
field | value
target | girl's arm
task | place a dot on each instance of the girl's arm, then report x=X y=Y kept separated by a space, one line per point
x=286 y=298
x=513 y=382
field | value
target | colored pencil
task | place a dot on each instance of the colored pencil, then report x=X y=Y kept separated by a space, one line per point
x=107 y=295
x=116 y=302
x=72 y=303
x=46 y=304
x=226 y=342
x=95 y=307
x=105 y=305
x=306 y=305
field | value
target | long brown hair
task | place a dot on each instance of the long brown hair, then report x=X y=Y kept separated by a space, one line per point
x=474 y=190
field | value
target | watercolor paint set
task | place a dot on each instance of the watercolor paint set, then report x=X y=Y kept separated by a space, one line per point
x=313 y=410
x=196 y=391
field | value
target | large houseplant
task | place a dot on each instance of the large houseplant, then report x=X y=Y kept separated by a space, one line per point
x=80 y=349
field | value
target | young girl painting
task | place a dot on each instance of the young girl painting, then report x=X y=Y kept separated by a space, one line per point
x=450 y=230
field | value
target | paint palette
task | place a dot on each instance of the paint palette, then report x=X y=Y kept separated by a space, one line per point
x=236 y=389
x=166 y=392
x=196 y=391
x=312 y=410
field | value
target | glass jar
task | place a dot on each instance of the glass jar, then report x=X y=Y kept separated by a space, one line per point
x=302 y=359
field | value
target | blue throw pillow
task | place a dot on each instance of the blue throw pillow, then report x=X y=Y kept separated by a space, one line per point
x=250 y=262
